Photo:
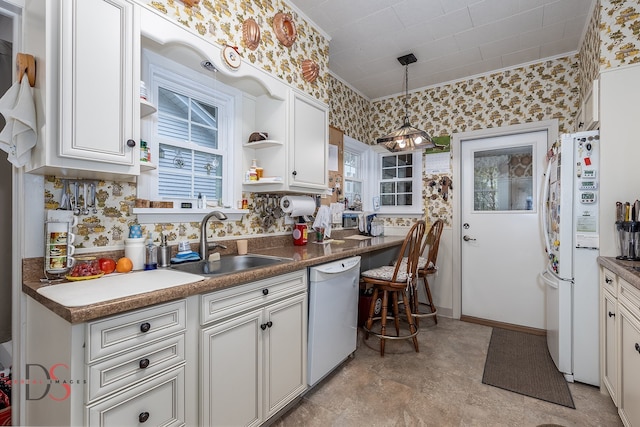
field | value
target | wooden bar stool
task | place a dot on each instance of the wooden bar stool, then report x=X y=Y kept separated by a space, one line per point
x=396 y=281
x=426 y=267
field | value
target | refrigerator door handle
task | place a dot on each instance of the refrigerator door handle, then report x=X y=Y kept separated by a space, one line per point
x=545 y=209
x=549 y=280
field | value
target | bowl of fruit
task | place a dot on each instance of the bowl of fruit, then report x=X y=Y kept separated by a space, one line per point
x=84 y=269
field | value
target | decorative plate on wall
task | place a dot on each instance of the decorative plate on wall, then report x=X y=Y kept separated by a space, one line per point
x=231 y=57
x=251 y=33
x=285 y=28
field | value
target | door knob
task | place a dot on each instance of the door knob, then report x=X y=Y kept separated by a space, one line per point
x=467 y=238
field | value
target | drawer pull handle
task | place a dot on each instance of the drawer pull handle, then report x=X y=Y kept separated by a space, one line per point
x=608 y=281
x=144 y=363
x=612 y=314
x=144 y=328
x=638 y=347
x=143 y=417
x=265 y=291
x=266 y=325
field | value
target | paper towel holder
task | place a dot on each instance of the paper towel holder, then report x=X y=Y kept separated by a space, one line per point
x=26 y=64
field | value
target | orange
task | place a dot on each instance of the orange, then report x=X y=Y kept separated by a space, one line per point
x=124 y=265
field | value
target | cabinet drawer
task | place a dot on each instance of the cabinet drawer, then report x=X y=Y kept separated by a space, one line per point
x=123 y=332
x=220 y=304
x=131 y=367
x=629 y=295
x=158 y=401
x=608 y=280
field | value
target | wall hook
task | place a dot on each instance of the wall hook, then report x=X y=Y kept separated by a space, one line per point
x=26 y=64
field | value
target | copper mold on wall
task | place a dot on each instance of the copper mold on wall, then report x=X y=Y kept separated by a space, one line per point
x=251 y=33
x=310 y=70
x=285 y=28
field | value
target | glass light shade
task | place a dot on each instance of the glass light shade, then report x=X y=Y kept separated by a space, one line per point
x=406 y=138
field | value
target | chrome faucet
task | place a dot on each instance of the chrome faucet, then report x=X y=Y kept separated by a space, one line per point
x=204 y=245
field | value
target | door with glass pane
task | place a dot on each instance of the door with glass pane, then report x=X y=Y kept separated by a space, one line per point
x=502 y=250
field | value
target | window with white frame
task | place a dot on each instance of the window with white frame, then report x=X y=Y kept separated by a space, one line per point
x=193 y=128
x=355 y=162
x=400 y=182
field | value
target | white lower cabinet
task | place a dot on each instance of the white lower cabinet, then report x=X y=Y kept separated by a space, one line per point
x=121 y=370
x=629 y=399
x=232 y=357
x=609 y=361
x=620 y=344
x=253 y=361
x=629 y=353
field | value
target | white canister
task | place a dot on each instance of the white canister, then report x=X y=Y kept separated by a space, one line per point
x=135 y=251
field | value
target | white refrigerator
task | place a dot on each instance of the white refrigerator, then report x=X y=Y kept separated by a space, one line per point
x=571 y=234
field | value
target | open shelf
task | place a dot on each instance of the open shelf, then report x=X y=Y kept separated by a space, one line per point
x=267 y=143
x=146 y=108
x=147 y=166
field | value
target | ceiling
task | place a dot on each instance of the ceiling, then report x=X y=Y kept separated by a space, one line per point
x=451 y=39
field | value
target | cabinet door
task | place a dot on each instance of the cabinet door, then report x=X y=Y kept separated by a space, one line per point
x=609 y=353
x=231 y=390
x=308 y=144
x=285 y=352
x=99 y=84
x=629 y=374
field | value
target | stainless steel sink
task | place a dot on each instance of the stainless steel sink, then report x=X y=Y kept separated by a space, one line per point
x=228 y=264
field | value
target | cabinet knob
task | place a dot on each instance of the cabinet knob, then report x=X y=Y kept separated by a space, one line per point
x=266 y=325
x=143 y=417
x=638 y=347
x=144 y=363
x=294 y=173
x=612 y=314
x=608 y=280
x=265 y=291
x=144 y=328
x=131 y=143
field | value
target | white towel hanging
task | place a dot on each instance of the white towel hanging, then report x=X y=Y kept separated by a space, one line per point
x=19 y=135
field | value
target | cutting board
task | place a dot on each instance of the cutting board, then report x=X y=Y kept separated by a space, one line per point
x=113 y=286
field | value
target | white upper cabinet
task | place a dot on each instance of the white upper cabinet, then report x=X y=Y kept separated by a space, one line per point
x=294 y=158
x=88 y=54
x=309 y=143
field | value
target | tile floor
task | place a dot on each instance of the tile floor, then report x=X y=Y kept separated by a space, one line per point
x=440 y=386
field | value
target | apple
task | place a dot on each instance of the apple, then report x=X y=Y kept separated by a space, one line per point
x=107 y=265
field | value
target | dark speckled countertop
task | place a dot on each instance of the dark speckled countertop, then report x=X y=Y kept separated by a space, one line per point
x=300 y=257
x=623 y=269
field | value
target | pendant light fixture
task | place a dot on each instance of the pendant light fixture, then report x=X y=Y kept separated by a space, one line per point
x=407 y=137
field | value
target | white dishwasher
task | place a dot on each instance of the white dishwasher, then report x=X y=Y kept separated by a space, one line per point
x=333 y=315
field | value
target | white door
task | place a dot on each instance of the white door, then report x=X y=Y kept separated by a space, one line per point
x=502 y=249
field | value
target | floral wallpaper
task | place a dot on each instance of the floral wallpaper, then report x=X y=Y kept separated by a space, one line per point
x=546 y=90
x=589 y=55
x=348 y=111
x=221 y=21
x=619 y=32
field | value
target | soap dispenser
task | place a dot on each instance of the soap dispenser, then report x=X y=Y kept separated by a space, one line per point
x=164 y=253
x=151 y=259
